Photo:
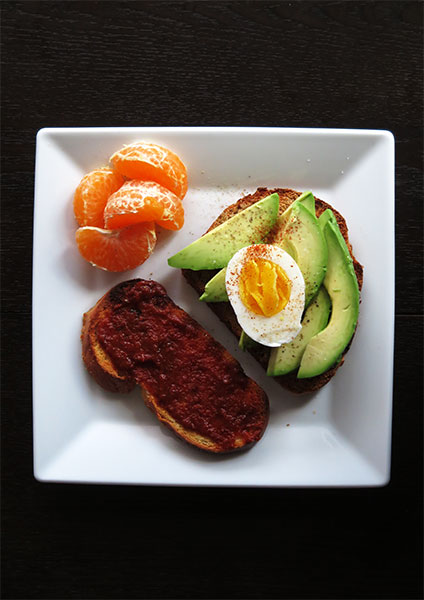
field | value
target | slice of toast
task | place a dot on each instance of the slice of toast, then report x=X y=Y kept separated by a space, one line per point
x=136 y=335
x=198 y=280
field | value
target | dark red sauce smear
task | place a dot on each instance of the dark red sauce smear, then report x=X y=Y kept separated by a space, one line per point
x=193 y=377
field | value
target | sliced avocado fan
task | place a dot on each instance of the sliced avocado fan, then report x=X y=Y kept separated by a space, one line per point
x=325 y=348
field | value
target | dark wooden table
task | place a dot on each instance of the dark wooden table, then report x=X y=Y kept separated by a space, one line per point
x=316 y=64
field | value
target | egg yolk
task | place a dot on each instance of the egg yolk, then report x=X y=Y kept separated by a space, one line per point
x=264 y=287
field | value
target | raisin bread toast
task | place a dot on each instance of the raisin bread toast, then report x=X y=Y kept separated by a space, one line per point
x=198 y=280
x=136 y=335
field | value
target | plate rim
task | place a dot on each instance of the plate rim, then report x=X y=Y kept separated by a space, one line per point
x=382 y=133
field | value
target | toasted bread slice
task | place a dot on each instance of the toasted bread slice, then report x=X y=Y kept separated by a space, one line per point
x=136 y=335
x=198 y=280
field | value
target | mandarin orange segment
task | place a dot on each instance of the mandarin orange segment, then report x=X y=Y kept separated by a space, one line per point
x=92 y=193
x=118 y=250
x=137 y=201
x=152 y=162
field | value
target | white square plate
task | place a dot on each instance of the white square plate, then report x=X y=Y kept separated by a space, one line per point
x=339 y=436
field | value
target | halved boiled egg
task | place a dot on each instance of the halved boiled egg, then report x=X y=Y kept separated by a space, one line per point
x=267 y=292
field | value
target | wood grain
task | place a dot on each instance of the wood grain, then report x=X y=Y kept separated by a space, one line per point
x=315 y=64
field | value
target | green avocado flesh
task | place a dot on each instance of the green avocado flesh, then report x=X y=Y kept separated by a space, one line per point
x=214 y=249
x=308 y=201
x=325 y=217
x=215 y=288
x=298 y=233
x=245 y=342
x=287 y=357
x=326 y=347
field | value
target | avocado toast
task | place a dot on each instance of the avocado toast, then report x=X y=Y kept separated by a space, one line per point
x=342 y=266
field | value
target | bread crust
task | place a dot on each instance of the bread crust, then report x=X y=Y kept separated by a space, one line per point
x=97 y=363
x=100 y=365
x=224 y=310
x=199 y=441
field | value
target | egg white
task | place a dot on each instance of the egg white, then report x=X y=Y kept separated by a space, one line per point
x=285 y=325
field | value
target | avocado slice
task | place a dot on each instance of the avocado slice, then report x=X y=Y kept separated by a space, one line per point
x=215 y=290
x=308 y=201
x=298 y=233
x=246 y=342
x=326 y=347
x=287 y=357
x=214 y=249
x=325 y=217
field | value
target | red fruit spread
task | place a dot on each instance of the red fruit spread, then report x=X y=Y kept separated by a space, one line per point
x=193 y=377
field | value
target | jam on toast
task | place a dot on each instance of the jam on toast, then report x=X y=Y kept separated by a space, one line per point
x=136 y=335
